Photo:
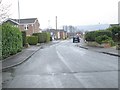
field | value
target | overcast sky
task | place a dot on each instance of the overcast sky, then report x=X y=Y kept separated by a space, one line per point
x=69 y=12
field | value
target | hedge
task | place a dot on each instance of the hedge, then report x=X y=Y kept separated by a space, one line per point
x=11 y=40
x=42 y=37
x=48 y=37
x=32 y=40
x=102 y=39
x=0 y=42
x=90 y=36
x=103 y=32
x=115 y=33
x=24 y=38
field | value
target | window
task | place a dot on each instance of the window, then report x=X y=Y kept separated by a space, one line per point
x=26 y=27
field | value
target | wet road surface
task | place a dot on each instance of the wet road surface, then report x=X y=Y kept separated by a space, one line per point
x=63 y=65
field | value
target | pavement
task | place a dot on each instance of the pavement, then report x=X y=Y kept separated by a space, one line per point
x=20 y=57
x=23 y=56
x=28 y=52
x=110 y=51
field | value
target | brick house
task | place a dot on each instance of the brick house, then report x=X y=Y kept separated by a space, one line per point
x=62 y=34
x=11 y=22
x=57 y=34
x=30 y=25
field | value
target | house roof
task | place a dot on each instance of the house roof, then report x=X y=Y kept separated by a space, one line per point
x=114 y=25
x=25 y=21
x=9 y=20
x=54 y=30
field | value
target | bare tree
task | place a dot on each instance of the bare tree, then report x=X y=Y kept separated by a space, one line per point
x=4 y=9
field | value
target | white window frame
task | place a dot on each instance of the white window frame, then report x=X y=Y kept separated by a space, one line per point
x=26 y=26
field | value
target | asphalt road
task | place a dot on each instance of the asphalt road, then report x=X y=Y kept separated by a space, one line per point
x=64 y=65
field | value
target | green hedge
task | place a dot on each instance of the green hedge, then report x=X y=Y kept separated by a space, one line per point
x=32 y=40
x=90 y=36
x=0 y=42
x=48 y=37
x=11 y=40
x=103 y=32
x=43 y=37
x=24 y=38
x=102 y=39
x=115 y=33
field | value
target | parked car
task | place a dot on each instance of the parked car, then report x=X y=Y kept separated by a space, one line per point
x=76 y=39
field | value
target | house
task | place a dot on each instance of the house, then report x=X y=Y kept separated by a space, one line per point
x=114 y=25
x=16 y=24
x=71 y=34
x=63 y=34
x=57 y=34
x=30 y=25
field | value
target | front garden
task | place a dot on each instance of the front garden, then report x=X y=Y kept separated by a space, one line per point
x=104 y=38
x=13 y=40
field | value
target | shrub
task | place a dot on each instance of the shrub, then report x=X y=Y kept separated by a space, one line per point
x=11 y=40
x=0 y=42
x=115 y=33
x=44 y=34
x=24 y=38
x=103 y=32
x=118 y=46
x=40 y=37
x=111 y=42
x=90 y=36
x=32 y=40
x=48 y=37
x=102 y=39
x=43 y=37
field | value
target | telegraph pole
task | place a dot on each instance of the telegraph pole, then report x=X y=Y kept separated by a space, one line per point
x=18 y=12
x=56 y=22
x=119 y=12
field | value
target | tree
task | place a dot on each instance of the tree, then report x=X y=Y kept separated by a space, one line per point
x=4 y=9
x=71 y=29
